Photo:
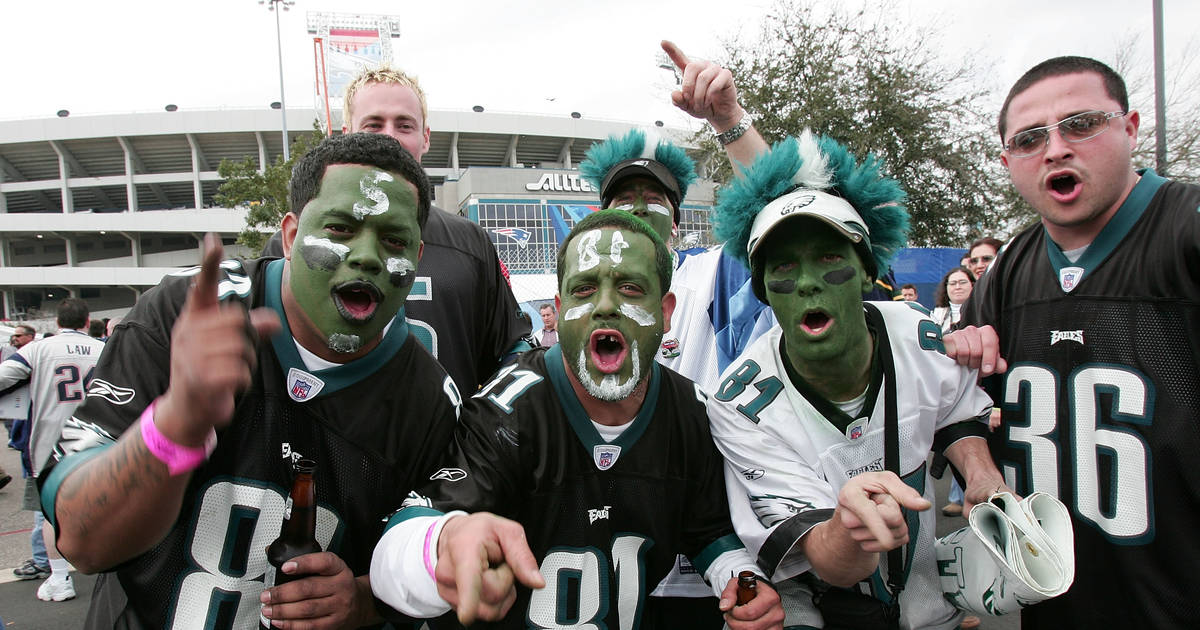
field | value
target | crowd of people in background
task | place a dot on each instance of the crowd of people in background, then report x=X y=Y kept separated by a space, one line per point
x=677 y=418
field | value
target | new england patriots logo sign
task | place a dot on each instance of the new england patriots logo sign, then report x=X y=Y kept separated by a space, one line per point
x=516 y=234
x=303 y=386
x=605 y=455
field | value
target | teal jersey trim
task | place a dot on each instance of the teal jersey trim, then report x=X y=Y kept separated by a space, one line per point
x=1112 y=234
x=579 y=419
x=724 y=544
x=65 y=467
x=340 y=376
x=409 y=513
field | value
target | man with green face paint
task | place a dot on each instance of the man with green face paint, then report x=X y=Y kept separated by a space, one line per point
x=600 y=457
x=716 y=316
x=807 y=416
x=173 y=476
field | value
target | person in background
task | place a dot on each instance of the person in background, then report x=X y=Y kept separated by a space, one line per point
x=952 y=293
x=981 y=254
x=909 y=292
x=59 y=372
x=548 y=335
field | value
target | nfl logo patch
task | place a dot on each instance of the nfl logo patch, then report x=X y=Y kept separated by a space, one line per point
x=1069 y=277
x=670 y=348
x=855 y=433
x=605 y=455
x=303 y=386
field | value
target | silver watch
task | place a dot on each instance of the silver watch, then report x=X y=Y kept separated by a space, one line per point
x=736 y=131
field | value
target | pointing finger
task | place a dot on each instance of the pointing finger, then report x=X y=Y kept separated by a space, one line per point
x=681 y=60
x=204 y=289
x=863 y=507
x=518 y=555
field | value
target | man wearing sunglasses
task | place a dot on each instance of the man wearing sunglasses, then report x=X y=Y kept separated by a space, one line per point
x=1096 y=311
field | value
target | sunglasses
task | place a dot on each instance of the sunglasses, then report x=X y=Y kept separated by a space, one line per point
x=978 y=259
x=1075 y=128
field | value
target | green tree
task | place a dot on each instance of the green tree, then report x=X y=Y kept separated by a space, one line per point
x=264 y=193
x=878 y=85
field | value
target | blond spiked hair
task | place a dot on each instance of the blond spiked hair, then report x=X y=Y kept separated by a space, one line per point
x=382 y=74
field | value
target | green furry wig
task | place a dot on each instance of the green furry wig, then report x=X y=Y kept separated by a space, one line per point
x=603 y=157
x=816 y=163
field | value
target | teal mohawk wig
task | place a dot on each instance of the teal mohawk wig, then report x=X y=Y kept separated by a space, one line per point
x=608 y=162
x=821 y=164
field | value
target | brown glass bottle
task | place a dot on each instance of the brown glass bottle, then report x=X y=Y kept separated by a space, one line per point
x=747 y=587
x=298 y=535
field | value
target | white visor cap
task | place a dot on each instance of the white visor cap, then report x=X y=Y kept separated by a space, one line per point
x=831 y=209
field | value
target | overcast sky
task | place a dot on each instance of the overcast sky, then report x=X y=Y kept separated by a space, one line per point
x=594 y=57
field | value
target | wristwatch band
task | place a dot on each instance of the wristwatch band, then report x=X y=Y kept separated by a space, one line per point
x=178 y=458
x=736 y=131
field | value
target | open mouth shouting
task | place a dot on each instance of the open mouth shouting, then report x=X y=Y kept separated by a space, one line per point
x=1063 y=186
x=357 y=300
x=815 y=323
x=608 y=350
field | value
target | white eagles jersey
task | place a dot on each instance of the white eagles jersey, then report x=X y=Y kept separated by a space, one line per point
x=59 y=370
x=716 y=316
x=785 y=463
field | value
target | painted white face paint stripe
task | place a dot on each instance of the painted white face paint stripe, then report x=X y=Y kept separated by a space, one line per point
x=400 y=265
x=637 y=314
x=337 y=248
x=588 y=257
x=618 y=244
x=660 y=209
x=369 y=186
x=578 y=311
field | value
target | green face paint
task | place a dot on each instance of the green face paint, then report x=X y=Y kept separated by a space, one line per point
x=809 y=270
x=612 y=305
x=645 y=199
x=357 y=242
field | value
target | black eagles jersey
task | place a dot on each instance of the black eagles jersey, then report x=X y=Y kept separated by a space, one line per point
x=1101 y=402
x=372 y=440
x=604 y=520
x=460 y=307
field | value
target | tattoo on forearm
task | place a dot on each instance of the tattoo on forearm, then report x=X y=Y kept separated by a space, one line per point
x=111 y=479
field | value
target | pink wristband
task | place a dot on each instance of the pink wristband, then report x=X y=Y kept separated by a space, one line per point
x=178 y=458
x=428 y=562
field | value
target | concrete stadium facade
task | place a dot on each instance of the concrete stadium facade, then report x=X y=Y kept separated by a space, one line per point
x=101 y=207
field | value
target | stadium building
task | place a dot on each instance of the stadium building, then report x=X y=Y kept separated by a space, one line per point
x=101 y=207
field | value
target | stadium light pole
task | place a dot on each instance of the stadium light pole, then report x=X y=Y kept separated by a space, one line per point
x=284 y=5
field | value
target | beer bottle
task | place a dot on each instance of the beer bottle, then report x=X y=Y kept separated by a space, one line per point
x=297 y=536
x=747 y=587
